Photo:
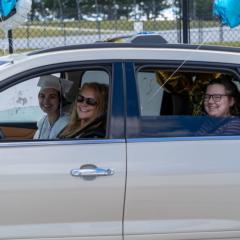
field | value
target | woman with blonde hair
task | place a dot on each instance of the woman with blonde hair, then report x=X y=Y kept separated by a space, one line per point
x=88 y=118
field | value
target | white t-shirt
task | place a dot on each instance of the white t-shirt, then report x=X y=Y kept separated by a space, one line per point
x=47 y=131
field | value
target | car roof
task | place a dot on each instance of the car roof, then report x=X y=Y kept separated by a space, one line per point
x=118 y=51
x=98 y=45
x=104 y=50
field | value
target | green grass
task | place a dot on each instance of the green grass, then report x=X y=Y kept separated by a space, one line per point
x=82 y=28
x=2 y=52
x=105 y=25
x=45 y=32
x=204 y=24
x=38 y=29
x=229 y=44
x=57 y=28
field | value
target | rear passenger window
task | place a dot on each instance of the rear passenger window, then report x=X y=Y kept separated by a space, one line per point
x=187 y=102
x=150 y=93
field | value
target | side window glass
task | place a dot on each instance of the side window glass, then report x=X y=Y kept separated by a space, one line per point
x=160 y=93
x=64 y=105
x=150 y=93
x=188 y=102
x=19 y=104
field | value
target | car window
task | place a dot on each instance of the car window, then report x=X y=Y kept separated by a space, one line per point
x=19 y=103
x=172 y=103
x=24 y=110
x=150 y=93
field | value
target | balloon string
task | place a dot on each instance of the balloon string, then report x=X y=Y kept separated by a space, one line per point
x=178 y=68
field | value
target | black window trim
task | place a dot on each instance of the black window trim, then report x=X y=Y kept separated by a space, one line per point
x=106 y=65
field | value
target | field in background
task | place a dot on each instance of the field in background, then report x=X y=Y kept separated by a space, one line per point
x=58 y=28
x=38 y=35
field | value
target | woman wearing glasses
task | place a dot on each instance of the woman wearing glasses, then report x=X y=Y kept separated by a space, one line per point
x=221 y=103
x=88 y=119
x=220 y=99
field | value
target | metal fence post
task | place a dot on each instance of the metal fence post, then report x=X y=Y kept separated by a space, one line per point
x=64 y=33
x=200 y=31
x=179 y=22
x=98 y=20
x=28 y=34
x=185 y=19
x=10 y=41
x=221 y=33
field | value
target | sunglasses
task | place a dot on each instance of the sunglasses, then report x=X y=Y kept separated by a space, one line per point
x=88 y=101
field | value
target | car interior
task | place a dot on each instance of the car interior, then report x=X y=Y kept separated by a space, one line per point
x=20 y=111
x=162 y=92
x=168 y=93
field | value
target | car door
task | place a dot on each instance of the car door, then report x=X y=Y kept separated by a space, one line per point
x=180 y=184
x=42 y=194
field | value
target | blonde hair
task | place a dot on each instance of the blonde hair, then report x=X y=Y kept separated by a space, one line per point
x=75 y=124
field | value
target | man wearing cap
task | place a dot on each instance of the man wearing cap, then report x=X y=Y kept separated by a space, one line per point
x=50 y=97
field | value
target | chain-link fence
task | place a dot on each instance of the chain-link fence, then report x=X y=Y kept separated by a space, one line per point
x=205 y=28
x=85 y=21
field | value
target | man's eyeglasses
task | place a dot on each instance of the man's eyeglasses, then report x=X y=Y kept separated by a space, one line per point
x=89 y=101
x=215 y=97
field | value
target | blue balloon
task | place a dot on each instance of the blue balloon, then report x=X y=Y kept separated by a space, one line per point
x=6 y=6
x=228 y=11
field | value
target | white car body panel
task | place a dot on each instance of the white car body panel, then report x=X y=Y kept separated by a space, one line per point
x=40 y=198
x=183 y=187
x=116 y=53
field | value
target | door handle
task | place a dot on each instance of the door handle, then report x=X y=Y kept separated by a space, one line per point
x=91 y=172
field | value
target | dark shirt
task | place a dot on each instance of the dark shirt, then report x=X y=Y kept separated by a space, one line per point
x=96 y=129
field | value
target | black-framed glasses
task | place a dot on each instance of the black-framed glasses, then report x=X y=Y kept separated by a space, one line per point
x=215 y=97
x=89 y=101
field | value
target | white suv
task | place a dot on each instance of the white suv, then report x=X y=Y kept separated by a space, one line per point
x=151 y=177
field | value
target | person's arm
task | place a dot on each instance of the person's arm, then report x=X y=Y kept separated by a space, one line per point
x=231 y=127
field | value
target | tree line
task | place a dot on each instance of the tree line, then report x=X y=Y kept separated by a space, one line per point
x=115 y=9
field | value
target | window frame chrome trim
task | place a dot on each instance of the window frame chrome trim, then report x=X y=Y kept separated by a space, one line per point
x=181 y=139
x=60 y=142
